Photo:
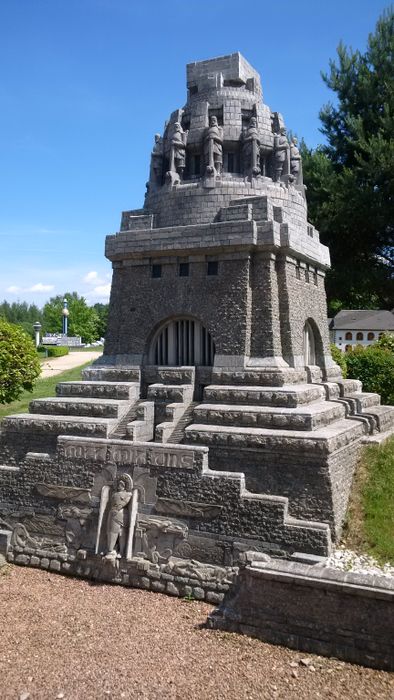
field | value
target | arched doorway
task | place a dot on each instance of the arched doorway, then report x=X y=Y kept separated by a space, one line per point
x=182 y=342
x=309 y=345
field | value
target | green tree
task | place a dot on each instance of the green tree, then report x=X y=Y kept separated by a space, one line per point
x=350 y=179
x=83 y=320
x=19 y=363
x=22 y=313
x=102 y=312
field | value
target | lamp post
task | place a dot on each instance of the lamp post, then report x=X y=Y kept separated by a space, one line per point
x=37 y=327
x=65 y=314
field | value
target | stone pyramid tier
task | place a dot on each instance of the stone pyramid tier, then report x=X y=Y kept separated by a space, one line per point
x=90 y=408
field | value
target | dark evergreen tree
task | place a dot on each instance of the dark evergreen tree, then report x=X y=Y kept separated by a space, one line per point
x=350 y=180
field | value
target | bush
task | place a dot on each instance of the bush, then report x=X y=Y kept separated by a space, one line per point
x=54 y=350
x=386 y=341
x=339 y=357
x=374 y=366
x=19 y=364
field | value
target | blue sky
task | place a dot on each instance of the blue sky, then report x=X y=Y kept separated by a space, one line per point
x=85 y=85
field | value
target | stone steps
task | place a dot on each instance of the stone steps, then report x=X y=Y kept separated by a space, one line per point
x=349 y=386
x=321 y=441
x=310 y=418
x=260 y=377
x=364 y=400
x=288 y=396
x=52 y=426
x=111 y=374
x=384 y=417
x=170 y=393
x=178 y=433
x=83 y=407
x=121 y=391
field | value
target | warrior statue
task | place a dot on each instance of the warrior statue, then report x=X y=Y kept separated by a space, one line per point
x=156 y=168
x=251 y=149
x=281 y=146
x=213 y=149
x=178 y=150
x=295 y=161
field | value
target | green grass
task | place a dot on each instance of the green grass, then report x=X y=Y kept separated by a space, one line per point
x=42 y=388
x=370 y=525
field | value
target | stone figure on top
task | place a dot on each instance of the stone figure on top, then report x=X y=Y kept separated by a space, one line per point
x=295 y=162
x=156 y=168
x=178 y=150
x=251 y=149
x=213 y=147
x=281 y=147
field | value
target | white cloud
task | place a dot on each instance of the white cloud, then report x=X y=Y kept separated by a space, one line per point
x=39 y=287
x=13 y=289
x=91 y=276
x=102 y=290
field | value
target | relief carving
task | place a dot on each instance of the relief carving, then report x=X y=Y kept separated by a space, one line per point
x=118 y=508
x=64 y=493
x=21 y=538
x=157 y=537
x=189 y=509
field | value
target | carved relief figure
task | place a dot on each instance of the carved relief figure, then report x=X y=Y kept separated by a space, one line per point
x=213 y=148
x=251 y=149
x=120 y=518
x=178 y=150
x=281 y=146
x=295 y=160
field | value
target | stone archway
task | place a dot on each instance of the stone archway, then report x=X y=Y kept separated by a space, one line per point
x=182 y=341
x=309 y=345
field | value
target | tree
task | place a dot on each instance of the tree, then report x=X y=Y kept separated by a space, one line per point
x=22 y=313
x=83 y=320
x=19 y=363
x=350 y=179
x=102 y=312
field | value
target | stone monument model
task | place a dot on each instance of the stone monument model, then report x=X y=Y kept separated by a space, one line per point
x=216 y=422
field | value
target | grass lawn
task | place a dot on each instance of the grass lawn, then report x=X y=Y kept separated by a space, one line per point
x=42 y=389
x=370 y=526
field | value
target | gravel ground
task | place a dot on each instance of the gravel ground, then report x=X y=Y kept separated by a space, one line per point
x=347 y=560
x=66 y=638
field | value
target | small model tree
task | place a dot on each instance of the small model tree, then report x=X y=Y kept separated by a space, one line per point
x=19 y=364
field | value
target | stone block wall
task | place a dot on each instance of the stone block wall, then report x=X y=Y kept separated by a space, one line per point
x=313 y=609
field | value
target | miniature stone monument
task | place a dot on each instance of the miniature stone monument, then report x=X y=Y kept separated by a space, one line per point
x=216 y=422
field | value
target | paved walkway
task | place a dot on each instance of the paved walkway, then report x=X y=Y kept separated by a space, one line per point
x=57 y=365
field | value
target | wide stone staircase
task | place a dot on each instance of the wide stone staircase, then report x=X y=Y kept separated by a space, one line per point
x=93 y=407
x=249 y=415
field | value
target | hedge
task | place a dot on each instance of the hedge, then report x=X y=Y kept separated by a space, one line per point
x=374 y=366
x=54 y=350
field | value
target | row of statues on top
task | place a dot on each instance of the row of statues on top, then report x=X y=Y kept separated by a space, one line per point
x=283 y=159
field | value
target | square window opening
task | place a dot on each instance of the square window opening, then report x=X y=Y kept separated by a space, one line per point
x=212 y=267
x=156 y=271
x=184 y=269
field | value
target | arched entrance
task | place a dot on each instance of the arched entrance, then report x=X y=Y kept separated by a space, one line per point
x=309 y=345
x=182 y=342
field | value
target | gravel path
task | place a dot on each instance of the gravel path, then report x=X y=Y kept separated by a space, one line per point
x=66 y=638
x=57 y=365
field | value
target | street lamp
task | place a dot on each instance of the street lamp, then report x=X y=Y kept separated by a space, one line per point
x=37 y=327
x=65 y=313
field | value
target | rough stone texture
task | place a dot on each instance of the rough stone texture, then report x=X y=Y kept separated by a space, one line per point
x=217 y=299
x=313 y=609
